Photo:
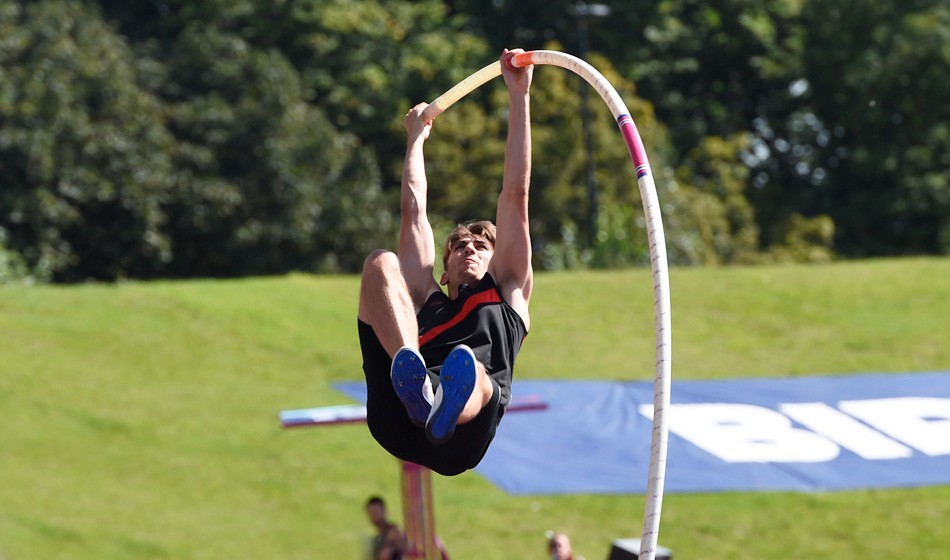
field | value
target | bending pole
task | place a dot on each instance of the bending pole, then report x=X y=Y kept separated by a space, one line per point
x=658 y=259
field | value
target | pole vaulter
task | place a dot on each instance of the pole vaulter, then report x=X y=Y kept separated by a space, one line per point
x=658 y=258
x=417 y=498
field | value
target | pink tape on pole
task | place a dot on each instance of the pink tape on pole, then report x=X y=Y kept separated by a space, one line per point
x=632 y=138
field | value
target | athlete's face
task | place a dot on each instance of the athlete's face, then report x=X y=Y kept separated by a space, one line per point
x=468 y=260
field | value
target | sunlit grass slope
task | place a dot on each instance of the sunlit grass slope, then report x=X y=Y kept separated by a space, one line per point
x=140 y=420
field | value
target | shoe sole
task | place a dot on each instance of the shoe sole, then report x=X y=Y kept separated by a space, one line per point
x=408 y=374
x=457 y=381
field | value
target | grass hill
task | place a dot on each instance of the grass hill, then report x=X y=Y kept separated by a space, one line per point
x=140 y=419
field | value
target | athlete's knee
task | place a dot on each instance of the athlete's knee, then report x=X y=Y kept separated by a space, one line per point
x=381 y=263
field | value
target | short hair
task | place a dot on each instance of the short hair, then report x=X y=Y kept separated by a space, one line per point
x=375 y=500
x=480 y=228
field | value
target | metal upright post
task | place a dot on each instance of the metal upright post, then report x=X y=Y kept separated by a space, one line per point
x=418 y=512
x=582 y=11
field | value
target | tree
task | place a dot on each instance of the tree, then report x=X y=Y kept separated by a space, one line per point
x=838 y=103
x=262 y=177
x=872 y=147
x=84 y=161
x=355 y=66
x=188 y=155
x=843 y=118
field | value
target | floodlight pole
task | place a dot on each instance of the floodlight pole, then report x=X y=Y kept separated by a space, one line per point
x=583 y=12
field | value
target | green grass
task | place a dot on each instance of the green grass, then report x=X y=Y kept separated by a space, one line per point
x=140 y=419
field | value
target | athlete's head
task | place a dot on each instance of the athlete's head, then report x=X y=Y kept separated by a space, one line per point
x=467 y=252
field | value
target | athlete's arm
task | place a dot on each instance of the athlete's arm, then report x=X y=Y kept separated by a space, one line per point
x=416 y=244
x=511 y=263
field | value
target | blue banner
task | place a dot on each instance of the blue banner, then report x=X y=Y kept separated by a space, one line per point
x=801 y=434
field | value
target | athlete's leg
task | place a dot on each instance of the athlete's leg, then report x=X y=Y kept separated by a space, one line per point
x=479 y=397
x=386 y=306
x=464 y=390
x=385 y=303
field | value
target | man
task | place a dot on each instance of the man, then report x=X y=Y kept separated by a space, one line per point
x=389 y=543
x=559 y=548
x=439 y=365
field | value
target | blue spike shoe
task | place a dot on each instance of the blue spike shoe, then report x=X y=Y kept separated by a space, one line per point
x=457 y=381
x=412 y=385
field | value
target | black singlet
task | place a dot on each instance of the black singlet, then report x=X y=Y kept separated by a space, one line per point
x=482 y=320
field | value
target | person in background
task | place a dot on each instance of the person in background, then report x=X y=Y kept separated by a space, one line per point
x=390 y=542
x=559 y=548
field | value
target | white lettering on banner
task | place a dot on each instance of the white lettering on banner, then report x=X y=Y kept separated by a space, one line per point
x=921 y=422
x=845 y=431
x=737 y=432
x=746 y=433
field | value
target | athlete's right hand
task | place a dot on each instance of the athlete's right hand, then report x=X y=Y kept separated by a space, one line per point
x=518 y=80
x=415 y=125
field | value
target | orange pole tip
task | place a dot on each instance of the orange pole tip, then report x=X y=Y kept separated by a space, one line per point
x=520 y=60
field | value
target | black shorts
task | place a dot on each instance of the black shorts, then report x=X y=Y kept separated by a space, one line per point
x=389 y=422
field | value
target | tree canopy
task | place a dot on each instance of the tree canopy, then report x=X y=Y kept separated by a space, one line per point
x=227 y=138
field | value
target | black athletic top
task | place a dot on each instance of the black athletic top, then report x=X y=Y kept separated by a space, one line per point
x=482 y=320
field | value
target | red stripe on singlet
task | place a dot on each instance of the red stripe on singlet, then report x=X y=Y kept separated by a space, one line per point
x=488 y=296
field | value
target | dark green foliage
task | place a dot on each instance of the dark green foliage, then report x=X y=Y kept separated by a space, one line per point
x=84 y=161
x=877 y=84
x=841 y=104
x=233 y=138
